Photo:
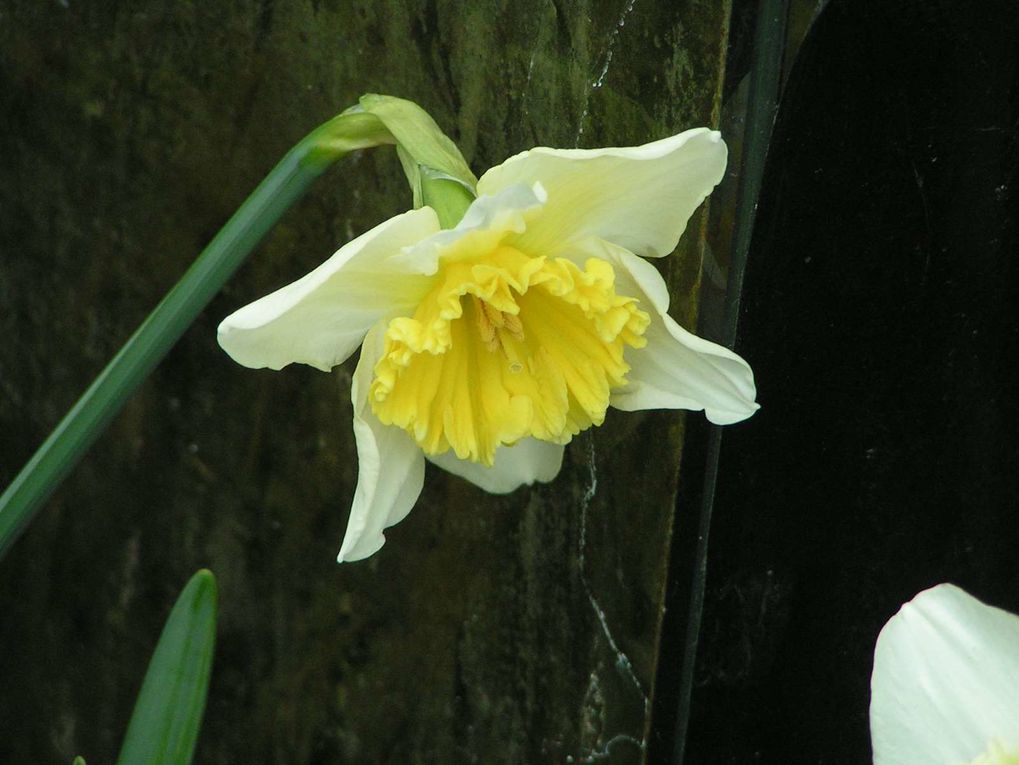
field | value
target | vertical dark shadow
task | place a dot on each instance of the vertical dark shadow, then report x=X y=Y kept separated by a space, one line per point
x=881 y=315
x=695 y=502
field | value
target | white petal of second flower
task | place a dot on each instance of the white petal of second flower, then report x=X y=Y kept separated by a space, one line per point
x=390 y=466
x=639 y=197
x=945 y=682
x=525 y=462
x=676 y=369
x=322 y=317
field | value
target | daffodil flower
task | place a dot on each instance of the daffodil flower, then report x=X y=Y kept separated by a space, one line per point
x=487 y=346
x=945 y=688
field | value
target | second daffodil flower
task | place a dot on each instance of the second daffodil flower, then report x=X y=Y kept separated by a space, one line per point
x=487 y=346
x=945 y=688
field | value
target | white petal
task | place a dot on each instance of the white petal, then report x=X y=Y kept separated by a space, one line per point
x=525 y=462
x=638 y=197
x=508 y=209
x=945 y=682
x=321 y=318
x=490 y=220
x=676 y=369
x=390 y=466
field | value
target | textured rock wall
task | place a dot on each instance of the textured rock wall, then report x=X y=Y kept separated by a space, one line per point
x=518 y=629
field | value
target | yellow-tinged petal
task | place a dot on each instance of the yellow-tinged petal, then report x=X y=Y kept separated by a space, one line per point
x=677 y=369
x=639 y=197
x=526 y=461
x=997 y=754
x=390 y=467
x=322 y=317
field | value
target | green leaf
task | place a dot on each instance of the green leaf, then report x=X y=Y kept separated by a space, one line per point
x=168 y=712
x=79 y=760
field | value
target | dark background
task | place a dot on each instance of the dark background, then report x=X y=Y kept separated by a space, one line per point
x=881 y=315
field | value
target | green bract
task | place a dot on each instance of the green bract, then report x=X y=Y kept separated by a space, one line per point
x=425 y=151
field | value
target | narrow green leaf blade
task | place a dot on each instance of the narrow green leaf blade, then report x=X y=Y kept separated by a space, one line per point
x=168 y=713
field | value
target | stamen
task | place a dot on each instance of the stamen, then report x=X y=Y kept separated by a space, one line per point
x=486 y=327
x=492 y=322
x=492 y=313
x=516 y=329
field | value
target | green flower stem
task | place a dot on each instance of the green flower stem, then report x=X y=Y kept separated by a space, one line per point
x=153 y=339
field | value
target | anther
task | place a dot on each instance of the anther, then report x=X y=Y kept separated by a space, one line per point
x=493 y=314
x=486 y=328
x=513 y=324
